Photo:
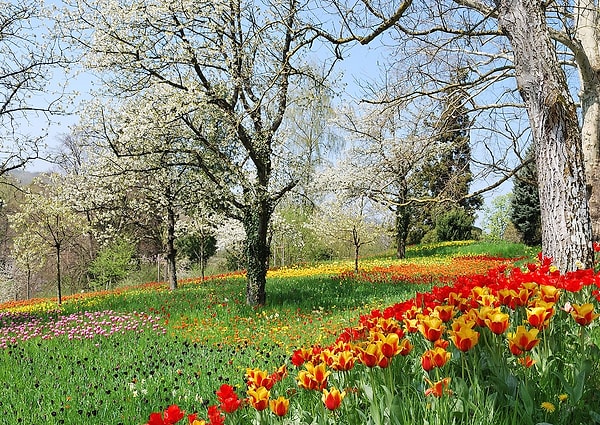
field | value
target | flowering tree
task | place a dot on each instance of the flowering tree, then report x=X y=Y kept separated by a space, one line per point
x=349 y=220
x=45 y=221
x=221 y=75
x=390 y=145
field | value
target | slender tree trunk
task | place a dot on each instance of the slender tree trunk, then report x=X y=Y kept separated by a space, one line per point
x=402 y=221
x=256 y=224
x=566 y=226
x=171 y=251
x=202 y=256
x=28 y=282
x=356 y=241
x=58 y=277
x=587 y=57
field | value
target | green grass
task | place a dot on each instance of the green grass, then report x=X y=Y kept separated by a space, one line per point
x=212 y=337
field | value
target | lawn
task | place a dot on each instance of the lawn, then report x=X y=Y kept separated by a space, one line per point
x=118 y=356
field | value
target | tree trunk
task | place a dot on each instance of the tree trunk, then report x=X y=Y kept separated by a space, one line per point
x=356 y=241
x=588 y=62
x=256 y=224
x=58 y=277
x=566 y=226
x=171 y=251
x=402 y=221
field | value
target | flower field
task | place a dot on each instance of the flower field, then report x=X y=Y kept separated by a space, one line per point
x=434 y=339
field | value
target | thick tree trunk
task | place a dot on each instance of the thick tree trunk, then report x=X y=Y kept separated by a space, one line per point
x=256 y=224
x=588 y=62
x=566 y=226
x=171 y=251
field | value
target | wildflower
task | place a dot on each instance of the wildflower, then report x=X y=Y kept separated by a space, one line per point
x=332 y=399
x=548 y=407
x=279 y=406
x=563 y=397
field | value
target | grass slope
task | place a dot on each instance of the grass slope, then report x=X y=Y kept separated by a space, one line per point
x=185 y=345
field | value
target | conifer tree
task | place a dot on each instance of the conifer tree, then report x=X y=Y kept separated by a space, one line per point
x=525 y=206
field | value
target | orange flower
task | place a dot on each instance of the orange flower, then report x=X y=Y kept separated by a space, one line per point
x=523 y=340
x=481 y=315
x=372 y=355
x=549 y=293
x=526 y=361
x=464 y=338
x=431 y=327
x=411 y=325
x=314 y=377
x=436 y=357
x=497 y=321
x=259 y=398
x=279 y=406
x=343 y=360
x=539 y=315
x=445 y=312
x=405 y=347
x=505 y=296
x=520 y=298
x=332 y=399
x=259 y=378
x=583 y=314
x=438 y=388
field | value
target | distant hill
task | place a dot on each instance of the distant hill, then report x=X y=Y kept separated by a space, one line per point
x=24 y=177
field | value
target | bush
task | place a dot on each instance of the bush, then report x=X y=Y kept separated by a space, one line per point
x=112 y=264
x=455 y=225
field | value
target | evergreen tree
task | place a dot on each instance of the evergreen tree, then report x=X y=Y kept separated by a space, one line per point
x=525 y=205
x=447 y=177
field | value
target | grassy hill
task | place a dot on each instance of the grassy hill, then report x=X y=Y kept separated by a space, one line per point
x=116 y=356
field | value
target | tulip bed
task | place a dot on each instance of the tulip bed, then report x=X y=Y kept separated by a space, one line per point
x=469 y=339
x=510 y=346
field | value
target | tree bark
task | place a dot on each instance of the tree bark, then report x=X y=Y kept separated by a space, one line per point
x=256 y=224
x=566 y=225
x=587 y=57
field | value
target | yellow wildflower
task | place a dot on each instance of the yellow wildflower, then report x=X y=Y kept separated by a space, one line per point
x=548 y=407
